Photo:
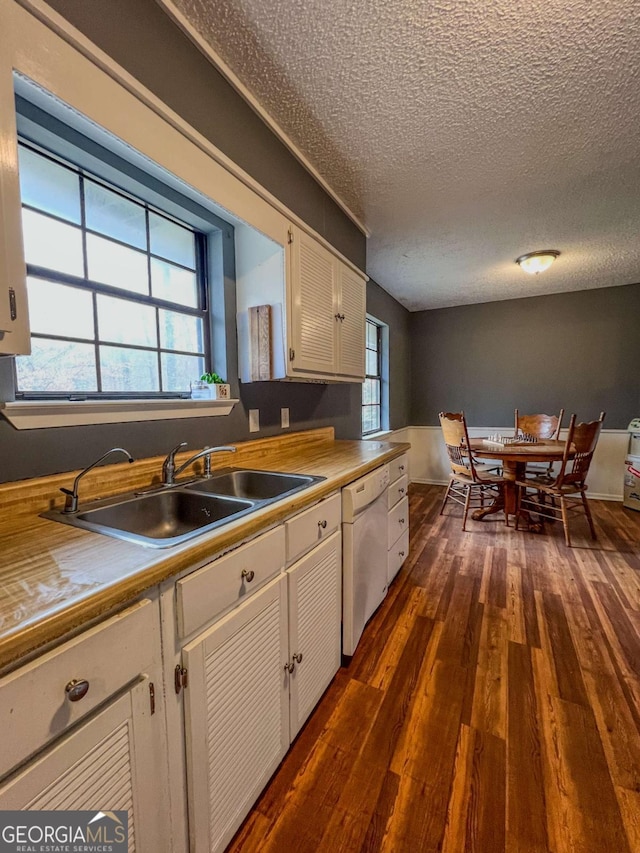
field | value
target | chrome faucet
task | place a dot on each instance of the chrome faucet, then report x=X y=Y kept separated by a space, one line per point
x=71 y=500
x=169 y=470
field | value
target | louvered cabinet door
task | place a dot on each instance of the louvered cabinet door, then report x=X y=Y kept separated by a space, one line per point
x=315 y=608
x=109 y=763
x=350 y=340
x=236 y=714
x=312 y=306
x=15 y=338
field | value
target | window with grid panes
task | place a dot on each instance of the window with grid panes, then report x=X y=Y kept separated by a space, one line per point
x=372 y=388
x=117 y=293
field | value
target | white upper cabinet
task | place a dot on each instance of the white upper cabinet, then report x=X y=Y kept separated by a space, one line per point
x=350 y=327
x=301 y=310
x=313 y=309
x=14 y=317
x=326 y=313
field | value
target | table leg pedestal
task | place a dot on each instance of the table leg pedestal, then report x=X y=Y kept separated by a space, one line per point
x=506 y=499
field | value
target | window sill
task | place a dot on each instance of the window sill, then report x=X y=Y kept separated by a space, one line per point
x=377 y=436
x=43 y=414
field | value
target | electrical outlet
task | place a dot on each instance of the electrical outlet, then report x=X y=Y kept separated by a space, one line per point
x=284 y=418
x=254 y=420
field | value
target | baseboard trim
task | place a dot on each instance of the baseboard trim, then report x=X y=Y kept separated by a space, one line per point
x=592 y=496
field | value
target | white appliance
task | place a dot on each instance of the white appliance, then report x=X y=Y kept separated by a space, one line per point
x=364 y=553
x=632 y=468
x=634 y=437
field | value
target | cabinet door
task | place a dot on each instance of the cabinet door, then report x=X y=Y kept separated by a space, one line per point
x=312 y=308
x=14 y=319
x=109 y=763
x=315 y=609
x=351 y=327
x=236 y=714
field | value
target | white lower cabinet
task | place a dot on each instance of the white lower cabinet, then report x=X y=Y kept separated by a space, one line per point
x=110 y=756
x=398 y=516
x=252 y=679
x=236 y=714
x=315 y=610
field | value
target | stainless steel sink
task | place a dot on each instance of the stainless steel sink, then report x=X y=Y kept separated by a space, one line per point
x=253 y=485
x=159 y=519
x=179 y=512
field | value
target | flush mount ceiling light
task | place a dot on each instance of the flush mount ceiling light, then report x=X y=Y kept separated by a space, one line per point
x=536 y=262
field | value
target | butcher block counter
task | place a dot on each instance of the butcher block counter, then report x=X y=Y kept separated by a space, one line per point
x=54 y=579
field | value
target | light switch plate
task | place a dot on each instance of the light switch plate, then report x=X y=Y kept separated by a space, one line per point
x=254 y=420
x=284 y=418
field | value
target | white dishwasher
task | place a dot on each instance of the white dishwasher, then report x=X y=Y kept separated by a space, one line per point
x=364 y=553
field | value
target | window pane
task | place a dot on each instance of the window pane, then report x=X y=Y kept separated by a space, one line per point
x=178 y=371
x=173 y=284
x=372 y=362
x=370 y=391
x=115 y=216
x=180 y=331
x=57 y=366
x=52 y=244
x=116 y=265
x=124 y=322
x=372 y=335
x=172 y=241
x=55 y=309
x=128 y=369
x=370 y=418
x=49 y=186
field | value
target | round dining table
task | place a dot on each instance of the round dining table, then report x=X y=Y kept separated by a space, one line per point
x=514 y=459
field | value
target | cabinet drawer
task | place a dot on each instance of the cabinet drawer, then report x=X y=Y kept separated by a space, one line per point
x=398 y=467
x=398 y=520
x=228 y=580
x=397 y=491
x=398 y=553
x=35 y=707
x=312 y=526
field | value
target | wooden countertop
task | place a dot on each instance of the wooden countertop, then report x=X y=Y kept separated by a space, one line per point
x=55 y=578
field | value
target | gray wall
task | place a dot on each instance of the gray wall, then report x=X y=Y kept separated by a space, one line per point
x=385 y=308
x=577 y=350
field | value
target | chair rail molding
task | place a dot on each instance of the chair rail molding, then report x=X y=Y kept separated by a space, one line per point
x=428 y=461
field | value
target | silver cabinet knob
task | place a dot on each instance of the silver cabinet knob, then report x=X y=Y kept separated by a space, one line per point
x=248 y=575
x=295 y=658
x=401 y=468
x=401 y=521
x=323 y=524
x=400 y=553
x=77 y=689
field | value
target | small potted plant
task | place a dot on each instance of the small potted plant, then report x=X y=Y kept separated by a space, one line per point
x=217 y=386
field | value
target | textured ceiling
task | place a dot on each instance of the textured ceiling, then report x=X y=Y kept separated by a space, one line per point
x=463 y=134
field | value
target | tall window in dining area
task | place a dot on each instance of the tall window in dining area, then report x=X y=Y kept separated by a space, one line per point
x=372 y=388
x=117 y=291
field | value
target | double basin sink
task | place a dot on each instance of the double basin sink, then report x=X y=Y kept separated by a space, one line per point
x=174 y=514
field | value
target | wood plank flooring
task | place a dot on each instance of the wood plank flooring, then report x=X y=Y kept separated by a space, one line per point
x=493 y=703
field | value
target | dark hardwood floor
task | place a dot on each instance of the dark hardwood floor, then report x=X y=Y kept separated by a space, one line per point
x=493 y=703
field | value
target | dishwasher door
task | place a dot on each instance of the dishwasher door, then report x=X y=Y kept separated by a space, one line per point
x=364 y=570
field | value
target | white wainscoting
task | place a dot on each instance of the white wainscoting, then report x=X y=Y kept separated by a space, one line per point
x=428 y=460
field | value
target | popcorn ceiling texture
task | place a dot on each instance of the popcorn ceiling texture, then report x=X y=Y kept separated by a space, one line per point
x=463 y=134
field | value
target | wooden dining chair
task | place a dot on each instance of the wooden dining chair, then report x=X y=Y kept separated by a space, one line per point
x=469 y=483
x=540 y=427
x=568 y=486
